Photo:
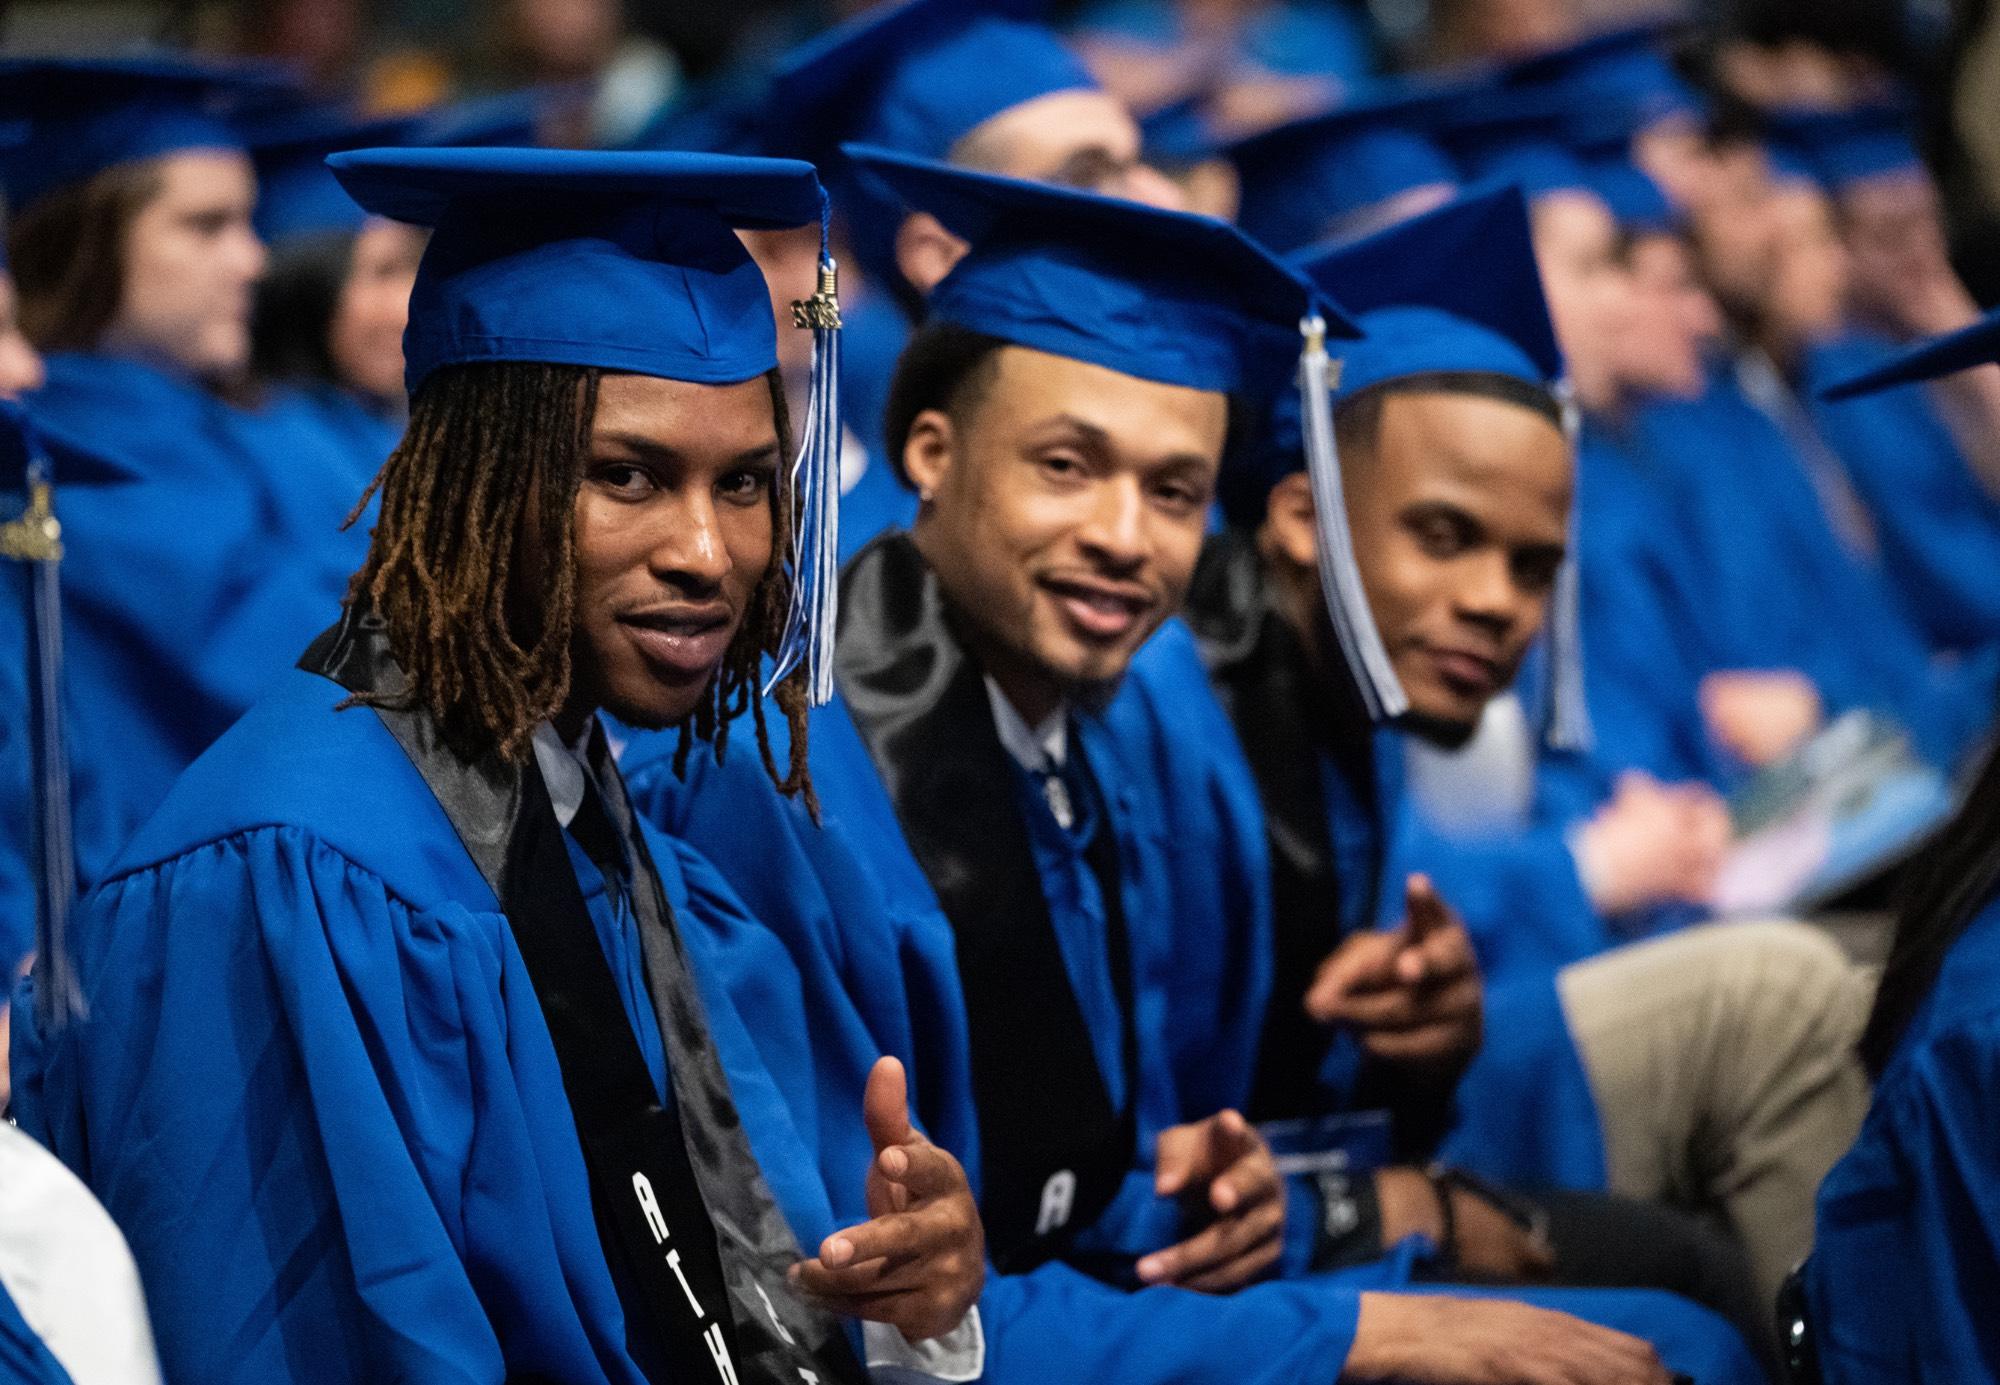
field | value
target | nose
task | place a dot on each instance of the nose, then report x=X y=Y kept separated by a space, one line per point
x=688 y=552
x=250 y=255
x=1487 y=594
x=1114 y=531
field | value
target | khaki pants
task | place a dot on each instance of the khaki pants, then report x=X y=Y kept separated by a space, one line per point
x=1722 y=1061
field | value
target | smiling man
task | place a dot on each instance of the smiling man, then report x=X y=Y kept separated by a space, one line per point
x=446 y=1054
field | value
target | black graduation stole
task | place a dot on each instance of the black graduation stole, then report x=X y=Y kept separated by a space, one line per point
x=1261 y=677
x=701 y=1243
x=1053 y=1150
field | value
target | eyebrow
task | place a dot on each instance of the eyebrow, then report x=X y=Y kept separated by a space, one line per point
x=653 y=448
x=1097 y=438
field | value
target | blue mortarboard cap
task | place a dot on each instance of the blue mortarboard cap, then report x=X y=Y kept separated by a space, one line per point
x=1169 y=296
x=1964 y=349
x=1302 y=178
x=919 y=75
x=1627 y=68
x=1639 y=203
x=1841 y=148
x=1455 y=289
x=627 y=261
x=297 y=194
x=81 y=116
x=1528 y=139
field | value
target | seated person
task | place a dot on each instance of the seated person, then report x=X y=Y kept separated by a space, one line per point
x=1452 y=497
x=404 y=1053
x=1907 y=1258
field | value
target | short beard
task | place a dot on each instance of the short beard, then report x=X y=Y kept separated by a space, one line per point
x=1092 y=696
x=1439 y=731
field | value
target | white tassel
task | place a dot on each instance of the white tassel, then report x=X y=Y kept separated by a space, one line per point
x=815 y=494
x=1567 y=718
x=1339 y=574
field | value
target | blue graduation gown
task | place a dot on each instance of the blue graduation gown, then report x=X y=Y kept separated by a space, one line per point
x=1905 y=1269
x=1938 y=526
x=317 y=1092
x=358 y=437
x=877 y=955
x=1780 y=587
x=201 y=557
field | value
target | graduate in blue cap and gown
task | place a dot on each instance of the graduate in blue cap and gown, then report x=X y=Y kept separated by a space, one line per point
x=327 y=336
x=1303 y=653
x=1105 y=1053
x=1909 y=453
x=200 y=554
x=985 y=83
x=1907 y=1258
x=401 y=1051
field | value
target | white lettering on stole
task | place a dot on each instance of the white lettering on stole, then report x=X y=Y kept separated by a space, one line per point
x=674 y=1264
x=719 y=1349
x=1058 y=1197
x=771 y=1312
x=650 y=1205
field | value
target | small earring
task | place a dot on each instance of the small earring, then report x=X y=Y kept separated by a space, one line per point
x=923 y=495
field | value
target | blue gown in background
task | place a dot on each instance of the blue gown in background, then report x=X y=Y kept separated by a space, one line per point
x=202 y=553
x=357 y=436
x=1782 y=589
x=1938 y=526
x=1905 y=1269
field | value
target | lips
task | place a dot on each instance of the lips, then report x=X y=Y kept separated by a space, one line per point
x=680 y=642
x=1466 y=672
x=1099 y=611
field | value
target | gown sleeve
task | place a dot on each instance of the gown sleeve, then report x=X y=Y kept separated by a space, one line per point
x=331 y=1124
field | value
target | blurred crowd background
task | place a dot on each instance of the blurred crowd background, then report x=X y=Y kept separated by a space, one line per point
x=625 y=64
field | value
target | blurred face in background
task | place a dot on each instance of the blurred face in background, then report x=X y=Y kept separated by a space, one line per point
x=1807 y=296
x=365 y=338
x=565 y=38
x=1901 y=273
x=1075 y=139
x=20 y=363
x=1589 y=290
x=1734 y=231
x=1671 y=322
x=191 y=261
x=1468 y=30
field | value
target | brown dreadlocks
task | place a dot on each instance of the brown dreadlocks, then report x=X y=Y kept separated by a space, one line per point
x=488 y=470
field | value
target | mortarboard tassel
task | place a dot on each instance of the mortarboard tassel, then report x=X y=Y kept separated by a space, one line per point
x=1567 y=718
x=35 y=539
x=1339 y=575
x=815 y=494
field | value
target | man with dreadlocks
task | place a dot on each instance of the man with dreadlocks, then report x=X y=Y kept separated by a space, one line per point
x=402 y=1051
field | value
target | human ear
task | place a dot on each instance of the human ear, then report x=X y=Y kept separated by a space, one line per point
x=1291 y=520
x=925 y=251
x=929 y=451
